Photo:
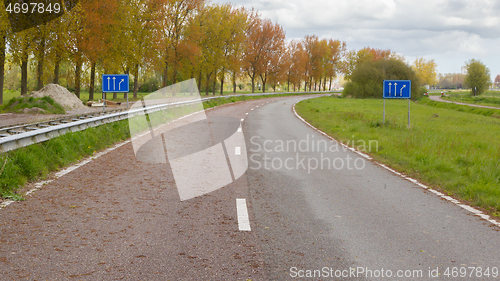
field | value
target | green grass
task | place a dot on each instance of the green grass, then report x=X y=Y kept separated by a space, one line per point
x=36 y=161
x=8 y=95
x=454 y=151
x=462 y=108
x=487 y=99
x=17 y=105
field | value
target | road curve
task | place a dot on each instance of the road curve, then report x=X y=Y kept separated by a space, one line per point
x=118 y=218
x=345 y=218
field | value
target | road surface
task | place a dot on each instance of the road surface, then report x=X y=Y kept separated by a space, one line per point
x=118 y=218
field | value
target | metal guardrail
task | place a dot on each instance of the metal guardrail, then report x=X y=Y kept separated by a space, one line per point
x=15 y=137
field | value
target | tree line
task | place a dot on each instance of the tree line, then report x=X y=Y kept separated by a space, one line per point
x=173 y=40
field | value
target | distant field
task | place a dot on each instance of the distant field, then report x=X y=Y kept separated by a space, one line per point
x=453 y=151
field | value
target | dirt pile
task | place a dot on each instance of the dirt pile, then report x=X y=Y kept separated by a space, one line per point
x=60 y=95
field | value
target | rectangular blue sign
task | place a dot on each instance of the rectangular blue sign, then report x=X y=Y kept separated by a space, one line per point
x=397 y=89
x=115 y=83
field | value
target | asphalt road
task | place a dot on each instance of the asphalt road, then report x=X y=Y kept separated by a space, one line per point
x=343 y=218
x=117 y=218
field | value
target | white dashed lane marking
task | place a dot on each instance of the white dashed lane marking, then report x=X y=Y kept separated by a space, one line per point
x=241 y=210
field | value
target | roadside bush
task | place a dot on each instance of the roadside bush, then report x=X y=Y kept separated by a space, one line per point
x=149 y=86
x=367 y=78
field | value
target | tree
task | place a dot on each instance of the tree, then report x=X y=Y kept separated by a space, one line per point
x=451 y=81
x=96 y=42
x=172 y=19
x=497 y=80
x=21 y=45
x=478 y=76
x=426 y=71
x=223 y=32
x=367 y=78
x=77 y=33
x=4 y=25
x=40 y=47
x=264 y=46
x=335 y=63
x=368 y=54
x=273 y=38
x=140 y=26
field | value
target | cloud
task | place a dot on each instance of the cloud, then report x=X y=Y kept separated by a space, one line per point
x=439 y=28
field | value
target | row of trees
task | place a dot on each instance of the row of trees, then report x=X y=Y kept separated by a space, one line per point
x=177 y=39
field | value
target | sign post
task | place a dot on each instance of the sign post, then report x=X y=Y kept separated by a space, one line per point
x=114 y=83
x=398 y=89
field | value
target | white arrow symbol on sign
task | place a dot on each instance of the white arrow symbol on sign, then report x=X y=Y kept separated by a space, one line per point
x=114 y=85
x=390 y=84
x=395 y=89
x=108 y=82
x=401 y=92
x=120 y=84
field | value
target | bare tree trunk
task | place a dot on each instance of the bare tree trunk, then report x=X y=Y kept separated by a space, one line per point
x=207 y=83
x=222 y=86
x=24 y=75
x=136 y=80
x=78 y=70
x=165 y=74
x=127 y=71
x=2 y=64
x=199 y=82
x=56 y=69
x=92 y=81
x=41 y=58
x=253 y=83
x=234 y=82
x=263 y=83
x=213 y=88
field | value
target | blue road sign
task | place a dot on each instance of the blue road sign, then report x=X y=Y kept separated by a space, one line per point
x=397 y=89
x=115 y=83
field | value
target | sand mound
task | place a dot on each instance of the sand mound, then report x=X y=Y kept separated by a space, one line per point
x=60 y=95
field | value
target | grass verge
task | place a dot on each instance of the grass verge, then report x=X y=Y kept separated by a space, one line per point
x=456 y=152
x=490 y=112
x=480 y=100
x=45 y=105
x=36 y=161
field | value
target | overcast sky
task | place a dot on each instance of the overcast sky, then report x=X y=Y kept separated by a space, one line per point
x=448 y=31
